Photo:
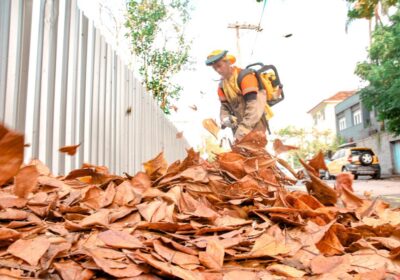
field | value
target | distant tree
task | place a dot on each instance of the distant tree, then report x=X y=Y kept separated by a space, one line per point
x=382 y=72
x=308 y=142
x=156 y=32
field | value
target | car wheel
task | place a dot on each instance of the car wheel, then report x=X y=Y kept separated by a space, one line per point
x=377 y=175
x=366 y=159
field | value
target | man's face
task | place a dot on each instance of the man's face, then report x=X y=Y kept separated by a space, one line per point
x=223 y=68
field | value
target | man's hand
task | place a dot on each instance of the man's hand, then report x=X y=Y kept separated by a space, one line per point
x=230 y=121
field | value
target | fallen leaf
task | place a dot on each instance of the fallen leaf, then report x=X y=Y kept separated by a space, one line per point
x=156 y=167
x=213 y=257
x=113 y=267
x=211 y=126
x=168 y=268
x=193 y=107
x=179 y=135
x=286 y=270
x=30 y=250
x=70 y=270
x=172 y=256
x=267 y=245
x=279 y=147
x=344 y=180
x=70 y=150
x=318 y=188
x=119 y=239
x=11 y=153
x=318 y=162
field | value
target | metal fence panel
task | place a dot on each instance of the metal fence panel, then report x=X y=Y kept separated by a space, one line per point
x=62 y=84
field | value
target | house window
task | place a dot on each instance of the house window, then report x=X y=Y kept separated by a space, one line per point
x=342 y=123
x=357 y=117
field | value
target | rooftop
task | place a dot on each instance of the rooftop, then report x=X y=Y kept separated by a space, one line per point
x=336 y=98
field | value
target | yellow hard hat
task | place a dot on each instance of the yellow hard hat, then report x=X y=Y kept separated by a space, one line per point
x=217 y=55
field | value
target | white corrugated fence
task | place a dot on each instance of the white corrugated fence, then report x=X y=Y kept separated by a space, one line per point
x=62 y=84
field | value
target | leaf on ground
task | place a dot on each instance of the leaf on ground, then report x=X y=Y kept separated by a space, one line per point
x=26 y=181
x=156 y=167
x=116 y=268
x=11 y=153
x=320 y=190
x=318 y=162
x=30 y=250
x=119 y=239
x=179 y=258
x=286 y=270
x=213 y=257
x=70 y=270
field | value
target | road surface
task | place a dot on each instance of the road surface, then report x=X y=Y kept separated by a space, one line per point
x=387 y=189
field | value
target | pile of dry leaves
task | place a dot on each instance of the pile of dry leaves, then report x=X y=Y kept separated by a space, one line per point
x=232 y=219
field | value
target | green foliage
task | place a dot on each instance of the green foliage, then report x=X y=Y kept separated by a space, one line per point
x=156 y=32
x=367 y=9
x=308 y=142
x=382 y=72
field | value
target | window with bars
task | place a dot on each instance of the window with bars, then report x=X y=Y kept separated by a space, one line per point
x=357 y=119
x=342 y=123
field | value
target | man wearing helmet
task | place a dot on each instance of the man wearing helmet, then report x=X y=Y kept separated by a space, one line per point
x=242 y=105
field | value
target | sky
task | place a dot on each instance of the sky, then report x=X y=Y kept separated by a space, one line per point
x=317 y=61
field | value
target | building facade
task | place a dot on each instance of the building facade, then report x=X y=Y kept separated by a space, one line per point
x=356 y=125
x=323 y=114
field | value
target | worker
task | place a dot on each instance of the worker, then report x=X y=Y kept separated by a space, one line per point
x=242 y=106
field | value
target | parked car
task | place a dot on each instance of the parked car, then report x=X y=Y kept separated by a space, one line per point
x=357 y=160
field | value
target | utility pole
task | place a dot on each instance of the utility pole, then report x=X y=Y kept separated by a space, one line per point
x=238 y=26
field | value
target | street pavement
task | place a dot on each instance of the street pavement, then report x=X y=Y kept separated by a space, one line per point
x=387 y=189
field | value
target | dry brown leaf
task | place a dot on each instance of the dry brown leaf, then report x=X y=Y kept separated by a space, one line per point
x=173 y=107
x=26 y=181
x=286 y=270
x=344 y=180
x=350 y=200
x=99 y=218
x=113 y=267
x=254 y=142
x=11 y=153
x=30 y=250
x=172 y=256
x=333 y=265
x=320 y=190
x=193 y=107
x=241 y=275
x=69 y=150
x=54 y=250
x=267 y=245
x=330 y=245
x=70 y=270
x=211 y=126
x=168 y=268
x=119 y=239
x=213 y=257
x=279 y=147
x=13 y=214
x=318 y=162
x=179 y=135
x=156 y=167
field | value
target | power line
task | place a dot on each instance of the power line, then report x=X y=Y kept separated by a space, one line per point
x=238 y=26
x=259 y=27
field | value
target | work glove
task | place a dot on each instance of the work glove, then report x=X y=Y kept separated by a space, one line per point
x=229 y=121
